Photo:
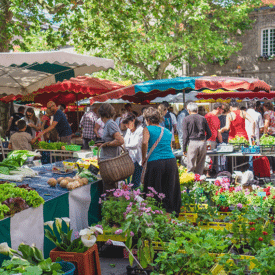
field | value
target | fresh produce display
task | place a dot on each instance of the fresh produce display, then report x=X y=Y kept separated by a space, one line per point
x=14 y=199
x=267 y=140
x=72 y=183
x=239 y=140
x=52 y=145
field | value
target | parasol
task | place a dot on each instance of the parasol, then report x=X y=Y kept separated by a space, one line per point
x=23 y=73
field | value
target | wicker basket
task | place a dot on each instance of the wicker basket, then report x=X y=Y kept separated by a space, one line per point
x=116 y=169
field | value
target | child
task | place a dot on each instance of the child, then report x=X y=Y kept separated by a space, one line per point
x=21 y=140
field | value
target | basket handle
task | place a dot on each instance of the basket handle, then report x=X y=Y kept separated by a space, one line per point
x=124 y=150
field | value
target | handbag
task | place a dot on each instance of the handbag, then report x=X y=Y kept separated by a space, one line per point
x=149 y=154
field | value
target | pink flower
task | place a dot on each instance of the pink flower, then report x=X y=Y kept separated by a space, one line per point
x=76 y=235
x=100 y=226
x=157 y=212
x=238 y=189
x=150 y=195
x=118 y=232
x=137 y=192
x=127 y=197
x=103 y=195
x=152 y=190
x=109 y=242
x=132 y=234
x=161 y=212
x=99 y=201
x=161 y=196
x=239 y=205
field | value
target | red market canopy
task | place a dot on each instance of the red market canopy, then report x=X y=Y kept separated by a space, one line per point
x=231 y=83
x=235 y=94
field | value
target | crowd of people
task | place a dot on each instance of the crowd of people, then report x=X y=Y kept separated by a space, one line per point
x=149 y=137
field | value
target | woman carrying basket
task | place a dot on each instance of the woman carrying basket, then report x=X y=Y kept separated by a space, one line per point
x=162 y=171
x=112 y=137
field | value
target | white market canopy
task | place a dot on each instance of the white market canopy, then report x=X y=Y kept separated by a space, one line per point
x=23 y=73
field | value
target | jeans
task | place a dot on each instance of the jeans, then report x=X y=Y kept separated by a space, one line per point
x=250 y=163
x=137 y=175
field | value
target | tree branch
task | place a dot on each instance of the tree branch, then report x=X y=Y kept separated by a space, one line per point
x=142 y=67
x=163 y=65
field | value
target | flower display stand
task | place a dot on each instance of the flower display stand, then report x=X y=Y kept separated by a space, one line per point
x=86 y=263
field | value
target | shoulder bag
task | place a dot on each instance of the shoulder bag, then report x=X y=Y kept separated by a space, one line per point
x=149 y=154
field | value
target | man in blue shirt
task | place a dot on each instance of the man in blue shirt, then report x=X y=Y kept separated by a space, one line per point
x=60 y=123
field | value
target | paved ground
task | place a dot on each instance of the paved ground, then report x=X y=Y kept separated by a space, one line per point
x=117 y=267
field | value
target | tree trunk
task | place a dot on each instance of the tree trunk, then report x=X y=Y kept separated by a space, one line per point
x=5 y=36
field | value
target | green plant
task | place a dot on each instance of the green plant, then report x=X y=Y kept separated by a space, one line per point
x=62 y=239
x=191 y=253
x=30 y=261
x=265 y=264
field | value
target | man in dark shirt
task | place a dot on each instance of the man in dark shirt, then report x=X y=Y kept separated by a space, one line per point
x=12 y=126
x=195 y=131
x=60 y=123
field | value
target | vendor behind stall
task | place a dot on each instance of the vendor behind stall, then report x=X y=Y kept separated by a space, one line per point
x=60 y=123
x=21 y=140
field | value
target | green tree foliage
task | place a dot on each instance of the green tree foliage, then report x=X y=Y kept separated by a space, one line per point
x=22 y=23
x=146 y=36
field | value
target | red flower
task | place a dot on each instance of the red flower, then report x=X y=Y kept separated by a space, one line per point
x=252 y=228
x=268 y=193
x=231 y=189
x=265 y=233
x=197 y=177
x=255 y=194
x=273 y=197
x=217 y=192
x=260 y=239
x=251 y=223
x=264 y=198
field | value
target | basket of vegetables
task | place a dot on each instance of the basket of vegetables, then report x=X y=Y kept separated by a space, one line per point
x=267 y=144
x=238 y=143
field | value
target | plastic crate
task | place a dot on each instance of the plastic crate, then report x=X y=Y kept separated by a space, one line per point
x=68 y=163
x=191 y=217
x=216 y=225
x=111 y=236
x=217 y=270
x=73 y=147
x=251 y=150
x=224 y=215
x=192 y=207
x=266 y=149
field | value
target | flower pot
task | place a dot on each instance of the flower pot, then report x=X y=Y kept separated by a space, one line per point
x=86 y=263
x=67 y=267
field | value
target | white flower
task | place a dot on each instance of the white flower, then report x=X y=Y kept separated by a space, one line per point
x=4 y=249
x=50 y=224
x=203 y=177
x=58 y=223
x=67 y=221
x=88 y=240
x=84 y=232
x=95 y=228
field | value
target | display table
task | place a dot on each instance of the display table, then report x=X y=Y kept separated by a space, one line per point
x=80 y=205
x=234 y=155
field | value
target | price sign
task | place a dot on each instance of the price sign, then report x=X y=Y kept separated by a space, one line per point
x=222 y=198
x=261 y=194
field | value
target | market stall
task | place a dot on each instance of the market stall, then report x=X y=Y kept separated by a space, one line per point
x=42 y=193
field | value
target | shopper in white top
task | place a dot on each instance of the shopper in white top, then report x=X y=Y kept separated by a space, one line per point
x=259 y=124
x=133 y=141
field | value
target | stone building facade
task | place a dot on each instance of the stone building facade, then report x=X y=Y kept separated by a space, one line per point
x=257 y=57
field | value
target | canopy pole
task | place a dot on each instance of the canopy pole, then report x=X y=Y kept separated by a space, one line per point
x=183 y=99
x=77 y=114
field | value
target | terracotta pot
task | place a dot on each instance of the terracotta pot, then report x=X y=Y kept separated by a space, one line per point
x=86 y=263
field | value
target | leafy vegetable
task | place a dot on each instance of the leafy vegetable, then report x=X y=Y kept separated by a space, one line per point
x=267 y=140
x=4 y=170
x=52 y=145
x=91 y=143
x=239 y=140
x=87 y=174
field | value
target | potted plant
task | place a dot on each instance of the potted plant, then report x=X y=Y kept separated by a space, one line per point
x=30 y=261
x=82 y=251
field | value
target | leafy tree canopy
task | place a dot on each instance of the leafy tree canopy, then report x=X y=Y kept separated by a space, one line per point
x=146 y=36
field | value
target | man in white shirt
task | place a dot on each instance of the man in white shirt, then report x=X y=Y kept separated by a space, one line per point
x=259 y=124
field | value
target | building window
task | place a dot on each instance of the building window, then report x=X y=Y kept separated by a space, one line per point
x=268 y=42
